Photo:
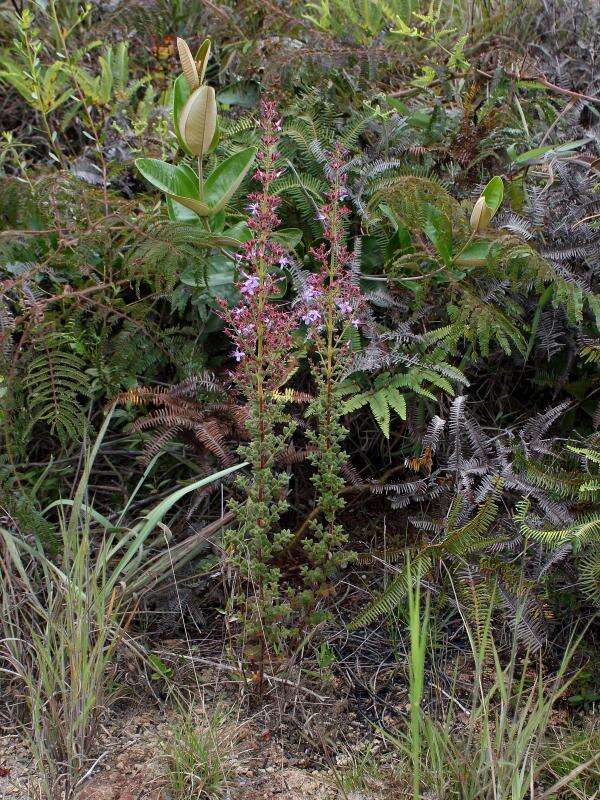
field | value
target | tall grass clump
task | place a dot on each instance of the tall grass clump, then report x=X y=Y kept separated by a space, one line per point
x=65 y=618
x=498 y=744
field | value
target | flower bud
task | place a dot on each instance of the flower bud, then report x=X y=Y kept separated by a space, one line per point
x=198 y=120
x=188 y=64
x=481 y=216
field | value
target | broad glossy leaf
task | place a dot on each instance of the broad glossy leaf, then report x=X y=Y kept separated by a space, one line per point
x=241 y=94
x=220 y=275
x=216 y=276
x=288 y=237
x=179 y=183
x=475 y=255
x=179 y=213
x=438 y=230
x=494 y=193
x=227 y=177
x=240 y=231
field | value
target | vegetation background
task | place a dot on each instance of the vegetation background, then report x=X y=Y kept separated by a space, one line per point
x=299 y=397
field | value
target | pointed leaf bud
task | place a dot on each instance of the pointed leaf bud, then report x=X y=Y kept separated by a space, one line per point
x=198 y=120
x=188 y=64
x=481 y=216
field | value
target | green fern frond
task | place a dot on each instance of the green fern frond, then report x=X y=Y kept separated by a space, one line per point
x=584 y=531
x=589 y=573
x=56 y=379
x=420 y=564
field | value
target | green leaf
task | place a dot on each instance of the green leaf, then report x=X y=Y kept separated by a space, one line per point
x=288 y=237
x=156 y=515
x=537 y=152
x=217 y=276
x=179 y=213
x=437 y=228
x=159 y=668
x=475 y=255
x=227 y=177
x=220 y=278
x=240 y=232
x=179 y=183
x=202 y=57
x=354 y=403
x=181 y=94
x=457 y=59
x=494 y=193
x=244 y=95
x=423 y=80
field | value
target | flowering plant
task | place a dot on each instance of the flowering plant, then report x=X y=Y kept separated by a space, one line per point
x=261 y=332
x=331 y=308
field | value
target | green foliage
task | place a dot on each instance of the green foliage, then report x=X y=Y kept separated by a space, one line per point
x=582 y=533
x=463 y=279
x=55 y=379
x=454 y=547
x=198 y=758
x=384 y=396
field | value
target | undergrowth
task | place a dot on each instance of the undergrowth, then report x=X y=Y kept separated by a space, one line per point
x=321 y=285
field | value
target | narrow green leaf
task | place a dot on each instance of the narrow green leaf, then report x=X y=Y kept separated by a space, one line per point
x=396 y=401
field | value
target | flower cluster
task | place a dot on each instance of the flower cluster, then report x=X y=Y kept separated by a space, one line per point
x=323 y=294
x=261 y=333
x=331 y=296
x=261 y=330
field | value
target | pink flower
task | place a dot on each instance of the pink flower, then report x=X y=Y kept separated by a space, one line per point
x=311 y=317
x=344 y=306
x=250 y=285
